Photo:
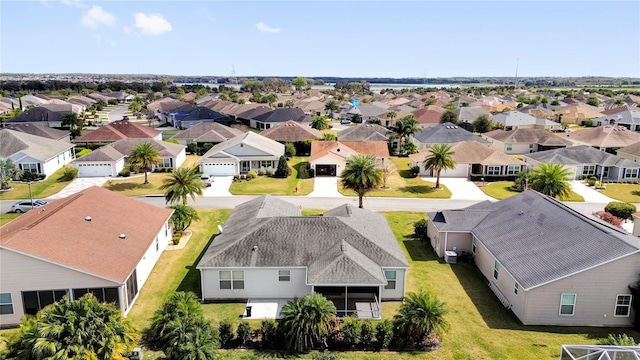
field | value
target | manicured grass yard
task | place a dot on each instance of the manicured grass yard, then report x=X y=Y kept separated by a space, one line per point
x=134 y=186
x=502 y=189
x=41 y=189
x=5 y=218
x=274 y=186
x=481 y=328
x=623 y=192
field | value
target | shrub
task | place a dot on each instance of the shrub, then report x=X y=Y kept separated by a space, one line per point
x=176 y=238
x=270 y=172
x=420 y=229
x=289 y=149
x=69 y=173
x=325 y=355
x=618 y=340
x=414 y=170
x=367 y=334
x=303 y=173
x=243 y=333
x=125 y=172
x=312 y=172
x=591 y=181
x=83 y=152
x=613 y=220
x=269 y=331
x=350 y=328
x=384 y=334
x=261 y=172
x=243 y=177
x=236 y=177
x=252 y=174
x=283 y=170
x=620 y=209
x=226 y=334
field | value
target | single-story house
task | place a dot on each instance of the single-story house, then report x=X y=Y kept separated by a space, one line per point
x=627 y=118
x=548 y=263
x=241 y=154
x=110 y=159
x=267 y=251
x=211 y=132
x=607 y=138
x=84 y=243
x=588 y=161
x=50 y=115
x=189 y=115
x=118 y=130
x=369 y=112
x=513 y=120
x=42 y=131
x=469 y=114
x=446 y=133
x=278 y=116
x=35 y=153
x=364 y=132
x=631 y=152
x=525 y=140
x=429 y=115
x=472 y=157
x=576 y=112
x=291 y=131
x=329 y=158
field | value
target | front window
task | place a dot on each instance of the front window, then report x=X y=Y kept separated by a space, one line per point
x=623 y=305
x=496 y=269
x=166 y=163
x=513 y=169
x=589 y=170
x=231 y=280
x=6 y=304
x=474 y=245
x=509 y=147
x=630 y=173
x=284 y=275
x=493 y=170
x=33 y=167
x=266 y=164
x=516 y=288
x=567 y=304
x=34 y=301
x=391 y=279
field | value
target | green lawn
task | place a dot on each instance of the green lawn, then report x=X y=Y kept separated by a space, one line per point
x=5 y=218
x=623 y=192
x=41 y=189
x=274 y=186
x=502 y=189
x=135 y=186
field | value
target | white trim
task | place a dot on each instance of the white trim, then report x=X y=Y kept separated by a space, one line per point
x=628 y=306
x=573 y=309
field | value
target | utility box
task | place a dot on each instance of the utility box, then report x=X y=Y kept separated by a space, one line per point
x=136 y=354
x=248 y=311
x=451 y=257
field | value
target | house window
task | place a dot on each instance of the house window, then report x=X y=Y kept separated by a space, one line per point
x=623 y=305
x=516 y=287
x=509 y=147
x=157 y=244
x=493 y=170
x=34 y=301
x=6 y=304
x=108 y=295
x=284 y=275
x=496 y=269
x=266 y=164
x=166 y=163
x=513 y=169
x=231 y=280
x=530 y=146
x=630 y=173
x=474 y=245
x=589 y=170
x=567 y=304
x=33 y=167
x=391 y=279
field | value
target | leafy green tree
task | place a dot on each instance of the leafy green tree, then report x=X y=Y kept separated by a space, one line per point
x=135 y=106
x=618 y=102
x=406 y=127
x=7 y=170
x=555 y=103
x=289 y=149
x=482 y=124
x=306 y=322
x=183 y=215
x=593 y=101
x=551 y=180
x=450 y=106
x=356 y=119
x=79 y=329
x=202 y=92
x=319 y=122
x=361 y=174
x=332 y=106
x=329 y=137
x=420 y=314
x=299 y=83
x=181 y=183
x=283 y=170
x=441 y=158
x=449 y=116
x=270 y=99
x=144 y=155
x=409 y=148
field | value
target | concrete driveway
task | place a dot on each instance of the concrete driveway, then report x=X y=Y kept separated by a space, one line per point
x=462 y=189
x=325 y=186
x=220 y=186
x=79 y=184
x=588 y=193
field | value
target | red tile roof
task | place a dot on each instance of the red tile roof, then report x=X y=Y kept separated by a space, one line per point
x=375 y=148
x=118 y=130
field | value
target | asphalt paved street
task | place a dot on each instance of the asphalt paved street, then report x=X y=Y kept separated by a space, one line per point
x=118 y=113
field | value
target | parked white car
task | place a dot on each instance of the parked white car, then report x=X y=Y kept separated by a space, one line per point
x=207 y=179
x=24 y=206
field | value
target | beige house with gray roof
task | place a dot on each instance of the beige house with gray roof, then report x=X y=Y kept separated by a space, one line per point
x=35 y=153
x=241 y=154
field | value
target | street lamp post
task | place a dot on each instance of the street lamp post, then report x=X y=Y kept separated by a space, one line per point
x=30 y=195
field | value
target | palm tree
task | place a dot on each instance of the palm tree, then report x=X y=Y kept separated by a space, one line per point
x=79 y=329
x=419 y=315
x=182 y=183
x=332 y=106
x=145 y=155
x=71 y=120
x=182 y=217
x=135 y=106
x=361 y=174
x=440 y=159
x=618 y=102
x=551 y=180
x=392 y=115
x=306 y=322
x=522 y=180
x=319 y=122
x=406 y=127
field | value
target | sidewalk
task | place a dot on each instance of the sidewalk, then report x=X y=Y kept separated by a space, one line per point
x=589 y=194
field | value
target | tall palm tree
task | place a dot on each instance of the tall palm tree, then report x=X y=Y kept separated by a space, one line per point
x=79 y=329
x=419 y=315
x=551 y=180
x=361 y=174
x=71 y=120
x=441 y=158
x=145 y=155
x=319 y=122
x=182 y=183
x=406 y=127
x=332 y=106
x=306 y=322
x=392 y=115
x=183 y=215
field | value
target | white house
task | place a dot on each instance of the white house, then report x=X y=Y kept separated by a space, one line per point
x=35 y=153
x=84 y=243
x=268 y=251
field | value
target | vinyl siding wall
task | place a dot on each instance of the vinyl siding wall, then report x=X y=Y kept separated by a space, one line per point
x=151 y=256
x=259 y=283
x=398 y=292
x=460 y=240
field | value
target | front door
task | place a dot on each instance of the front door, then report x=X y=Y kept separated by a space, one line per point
x=245 y=166
x=605 y=172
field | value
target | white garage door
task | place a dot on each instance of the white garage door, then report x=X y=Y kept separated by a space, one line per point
x=219 y=169
x=93 y=170
x=460 y=171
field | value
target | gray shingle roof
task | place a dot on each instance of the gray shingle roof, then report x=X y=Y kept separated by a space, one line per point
x=446 y=133
x=364 y=132
x=38 y=130
x=581 y=154
x=208 y=132
x=39 y=148
x=105 y=153
x=268 y=232
x=252 y=139
x=124 y=146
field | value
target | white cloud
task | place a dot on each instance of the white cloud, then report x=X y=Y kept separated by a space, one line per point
x=76 y=3
x=264 y=28
x=153 y=24
x=96 y=17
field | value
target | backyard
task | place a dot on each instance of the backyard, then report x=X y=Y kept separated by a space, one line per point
x=275 y=186
x=481 y=328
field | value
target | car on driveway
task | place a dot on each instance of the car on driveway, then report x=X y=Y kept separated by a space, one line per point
x=207 y=179
x=24 y=206
x=345 y=122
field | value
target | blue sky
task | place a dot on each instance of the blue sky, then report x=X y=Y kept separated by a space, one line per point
x=322 y=38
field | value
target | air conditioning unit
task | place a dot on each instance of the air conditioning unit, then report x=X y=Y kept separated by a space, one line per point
x=451 y=257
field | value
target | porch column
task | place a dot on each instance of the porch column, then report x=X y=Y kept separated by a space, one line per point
x=346 y=295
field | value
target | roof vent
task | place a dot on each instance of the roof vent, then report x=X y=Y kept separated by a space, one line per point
x=122 y=236
x=343 y=247
x=521 y=213
x=88 y=218
x=254 y=248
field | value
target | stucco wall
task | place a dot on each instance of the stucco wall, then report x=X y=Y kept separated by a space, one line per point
x=259 y=283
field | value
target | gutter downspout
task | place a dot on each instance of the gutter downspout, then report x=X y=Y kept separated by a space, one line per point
x=446 y=237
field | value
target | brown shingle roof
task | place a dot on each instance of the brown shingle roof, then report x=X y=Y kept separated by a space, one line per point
x=118 y=130
x=38 y=130
x=292 y=131
x=528 y=136
x=208 y=132
x=58 y=232
x=429 y=115
x=375 y=148
x=473 y=152
x=605 y=136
